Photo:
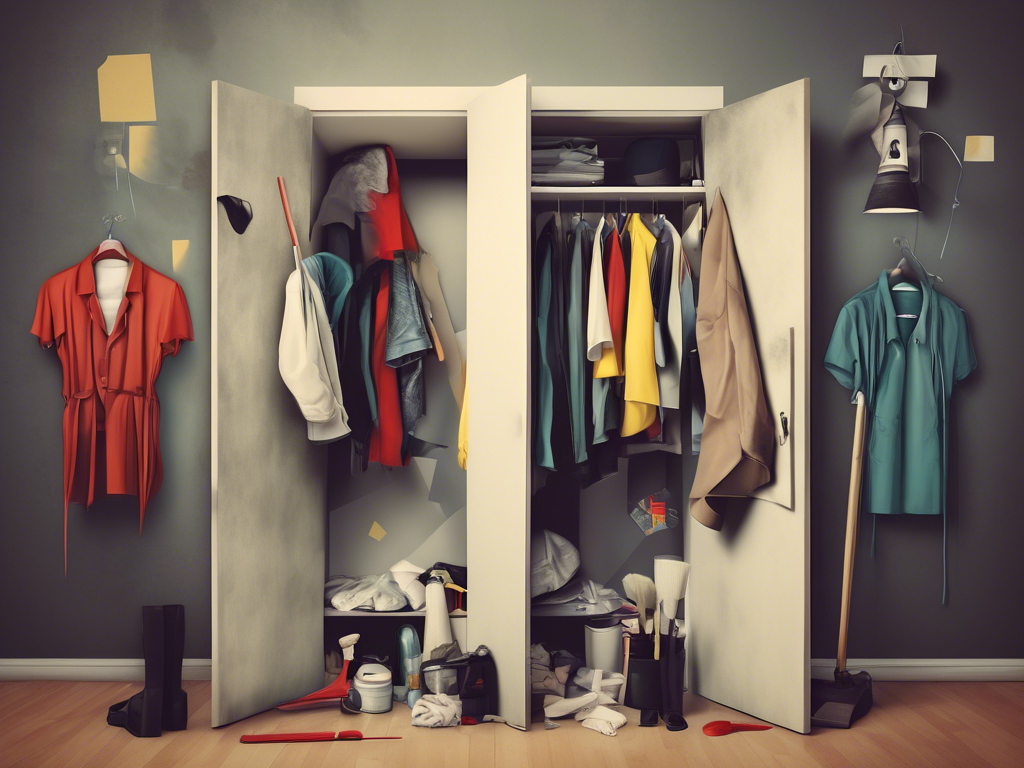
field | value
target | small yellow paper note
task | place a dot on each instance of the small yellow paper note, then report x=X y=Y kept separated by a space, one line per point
x=376 y=532
x=980 y=149
x=126 y=89
x=179 y=250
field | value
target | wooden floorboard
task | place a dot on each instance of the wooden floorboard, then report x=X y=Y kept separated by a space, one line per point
x=49 y=724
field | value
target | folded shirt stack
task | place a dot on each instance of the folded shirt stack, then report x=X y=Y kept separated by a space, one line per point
x=566 y=161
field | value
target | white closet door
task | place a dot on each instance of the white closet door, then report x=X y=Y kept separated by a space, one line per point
x=269 y=483
x=498 y=366
x=749 y=595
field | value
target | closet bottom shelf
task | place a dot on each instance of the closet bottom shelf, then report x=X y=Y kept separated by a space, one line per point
x=385 y=614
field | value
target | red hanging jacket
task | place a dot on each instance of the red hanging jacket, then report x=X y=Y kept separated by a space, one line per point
x=386 y=435
x=390 y=222
x=610 y=363
x=393 y=233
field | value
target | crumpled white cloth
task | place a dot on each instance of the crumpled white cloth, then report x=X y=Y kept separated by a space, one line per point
x=544 y=678
x=378 y=593
x=608 y=687
x=436 y=711
x=553 y=562
x=557 y=706
x=407 y=576
x=602 y=720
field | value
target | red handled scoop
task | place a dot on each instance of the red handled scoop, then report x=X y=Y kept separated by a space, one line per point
x=724 y=728
x=286 y=738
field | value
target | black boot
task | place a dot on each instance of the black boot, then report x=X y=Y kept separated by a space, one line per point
x=673 y=658
x=643 y=689
x=175 y=701
x=141 y=715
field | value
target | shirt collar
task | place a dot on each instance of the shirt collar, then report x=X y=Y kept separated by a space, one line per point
x=86 y=279
x=920 y=333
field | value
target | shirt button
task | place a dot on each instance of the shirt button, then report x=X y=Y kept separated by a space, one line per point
x=103 y=380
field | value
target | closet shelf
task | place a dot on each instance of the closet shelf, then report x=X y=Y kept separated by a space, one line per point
x=384 y=614
x=615 y=193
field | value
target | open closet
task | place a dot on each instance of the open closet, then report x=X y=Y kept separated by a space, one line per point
x=286 y=513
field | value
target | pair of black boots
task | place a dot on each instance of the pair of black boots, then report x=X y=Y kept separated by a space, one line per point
x=161 y=705
x=655 y=687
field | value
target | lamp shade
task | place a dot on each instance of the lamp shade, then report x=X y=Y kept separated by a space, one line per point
x=893 y=191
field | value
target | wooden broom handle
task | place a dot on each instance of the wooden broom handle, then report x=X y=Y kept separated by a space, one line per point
x=852 y=508
x=287 y=212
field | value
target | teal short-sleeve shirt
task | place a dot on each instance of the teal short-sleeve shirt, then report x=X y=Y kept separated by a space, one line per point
x=906 y=367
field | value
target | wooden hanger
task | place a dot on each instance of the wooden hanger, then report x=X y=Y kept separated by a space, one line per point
x=111 y=248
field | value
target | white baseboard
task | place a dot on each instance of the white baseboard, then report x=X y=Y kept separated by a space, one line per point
x=93 y=669
x=978 y=670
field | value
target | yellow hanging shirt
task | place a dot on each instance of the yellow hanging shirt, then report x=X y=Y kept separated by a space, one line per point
x=464 y=429
x=641 y=395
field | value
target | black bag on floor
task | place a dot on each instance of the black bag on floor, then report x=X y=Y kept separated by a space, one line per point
x=472 y=677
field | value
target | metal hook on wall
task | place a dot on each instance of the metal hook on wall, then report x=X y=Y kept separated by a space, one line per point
x=110 y=219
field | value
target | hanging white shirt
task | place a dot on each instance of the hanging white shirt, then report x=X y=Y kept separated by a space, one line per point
x=599 y=327
x=668 y=376
x=308 y=363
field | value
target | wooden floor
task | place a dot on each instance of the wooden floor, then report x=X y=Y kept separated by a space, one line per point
x=45 y=724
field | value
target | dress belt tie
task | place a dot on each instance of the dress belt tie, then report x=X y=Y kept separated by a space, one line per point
x=69 y=478
x=85 y=394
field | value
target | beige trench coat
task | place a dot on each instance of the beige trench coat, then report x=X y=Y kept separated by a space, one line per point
x=739 y=436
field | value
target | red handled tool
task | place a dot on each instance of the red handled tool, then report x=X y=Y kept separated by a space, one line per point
x=287 y=738
x=724 y=728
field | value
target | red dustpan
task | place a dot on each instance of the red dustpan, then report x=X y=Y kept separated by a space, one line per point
x=334 y=692
x=330 y=695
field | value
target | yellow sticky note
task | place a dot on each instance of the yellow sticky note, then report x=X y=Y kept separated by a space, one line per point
x=126 y=89
x=980 y=149
x=179 y=250
x=376 y=532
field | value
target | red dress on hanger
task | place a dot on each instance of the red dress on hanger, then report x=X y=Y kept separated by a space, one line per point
x=394 y=233
x=111 y=411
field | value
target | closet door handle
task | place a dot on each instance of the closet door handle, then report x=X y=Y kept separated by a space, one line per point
x=785 y=428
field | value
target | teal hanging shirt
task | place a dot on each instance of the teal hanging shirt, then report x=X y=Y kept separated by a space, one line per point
x=577 y=332
x=906 y=368
x=546 y=388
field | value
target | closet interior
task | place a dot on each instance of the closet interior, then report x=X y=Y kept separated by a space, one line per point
x=419 y=510
x=588 y=503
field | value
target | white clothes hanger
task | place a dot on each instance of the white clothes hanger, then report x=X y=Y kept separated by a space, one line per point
x=901 y=271
x=111 y=248
x=905 y=277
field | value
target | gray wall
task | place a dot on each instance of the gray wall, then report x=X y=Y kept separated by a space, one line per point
x=53 y=203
